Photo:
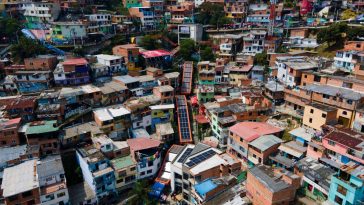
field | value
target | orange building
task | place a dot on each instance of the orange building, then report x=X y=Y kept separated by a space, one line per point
x=131 y=55
x=9 y=132
x=42 y=62
x=165 y=93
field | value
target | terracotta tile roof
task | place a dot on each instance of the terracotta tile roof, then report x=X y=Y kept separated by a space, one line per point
x=250 y=131
x=75 y=61
x=137 y=144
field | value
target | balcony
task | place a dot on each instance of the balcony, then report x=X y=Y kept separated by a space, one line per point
x=226 y=47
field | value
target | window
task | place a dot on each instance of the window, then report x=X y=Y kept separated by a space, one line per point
x=142 y=173
x=305 y=76
x=149 y=171
x=13 y=198
x=185 y=176
x=60 y=194
x=323 y=115
x=332 y=143
x=119 y=181
x=350 y=151
x=349 y=102
x=132 y=169
x=26 y=194
x=150 y=163
x=122 y=173
x=311 y=111
x=326 y=96
x=50 y=197
x=345 y=113
x=310 y=120
x=338 y=200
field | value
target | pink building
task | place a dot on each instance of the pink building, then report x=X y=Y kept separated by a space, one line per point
x=315 y=150
x=345 y=145
x=243 y=133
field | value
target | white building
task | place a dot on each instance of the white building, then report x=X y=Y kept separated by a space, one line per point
x=346 y=59
x=190 y=31
x=52 y=181
x=254 y=41
x=299 y=42
x=196 y=163
x=99 y=23
x=147 y=153
x=290 y=69
x=41 y=11
x=199 y=2
x=115 y=63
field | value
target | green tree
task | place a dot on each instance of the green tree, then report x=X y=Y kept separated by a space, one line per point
x=9 y=28
x=348 y=14
x=207 y=54
x=355 y=32
x=288 y=4
x=286 y=136
x=139 y=194
x=150 y=42
x=27 y=48
x=333 y=34
x=213 y=14
x=261 y=59
x=187 y=48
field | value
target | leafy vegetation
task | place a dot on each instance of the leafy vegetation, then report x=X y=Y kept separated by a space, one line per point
x=9 y=28
x=261 y=59
x=333 y=34
x=354 y=33
x=187 y=48
x=333 y=37
x=348 y=14
x=150 y=42
x=26 y=48
x=207 y=54
x=139 y=194
x=212 y=14
x=286 y=136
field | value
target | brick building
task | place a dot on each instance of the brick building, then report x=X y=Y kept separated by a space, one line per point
x=266 y=185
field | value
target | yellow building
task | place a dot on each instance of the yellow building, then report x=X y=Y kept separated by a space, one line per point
x=125 y=172
x=315 y=115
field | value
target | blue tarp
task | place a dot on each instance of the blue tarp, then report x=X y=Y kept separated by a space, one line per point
x=157 y=190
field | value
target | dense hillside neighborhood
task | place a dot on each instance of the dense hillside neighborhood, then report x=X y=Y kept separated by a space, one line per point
x=216 y=102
